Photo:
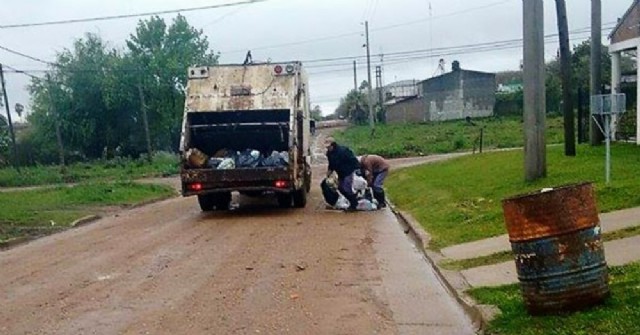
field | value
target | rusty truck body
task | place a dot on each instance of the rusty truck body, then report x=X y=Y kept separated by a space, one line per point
x=236 y=109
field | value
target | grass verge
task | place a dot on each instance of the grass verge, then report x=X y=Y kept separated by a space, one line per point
x=459 y=201
x=39 y=212
x=406 y=140
x=617 y=316
x=164 y=164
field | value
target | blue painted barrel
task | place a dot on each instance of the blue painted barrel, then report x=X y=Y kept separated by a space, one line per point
x=557 y=244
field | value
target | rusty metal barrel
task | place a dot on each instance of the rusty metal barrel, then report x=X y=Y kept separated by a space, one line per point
x=556 y=239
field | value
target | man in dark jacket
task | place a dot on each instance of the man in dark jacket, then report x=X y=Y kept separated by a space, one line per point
x=344 y=163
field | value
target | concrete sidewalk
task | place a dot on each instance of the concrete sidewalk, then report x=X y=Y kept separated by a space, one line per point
x=609 y=222
x=618 y=252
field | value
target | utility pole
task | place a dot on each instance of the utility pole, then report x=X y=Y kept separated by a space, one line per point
x=371 y=117
x=380 y=89
x=54 y=113
x=534 y=91
x=565 y=70
x=596 y=71
x=145 y=121
x=6 y=106
x=355 y=76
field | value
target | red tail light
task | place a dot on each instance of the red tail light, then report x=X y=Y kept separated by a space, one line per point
x=281 y=184
x=195 y=187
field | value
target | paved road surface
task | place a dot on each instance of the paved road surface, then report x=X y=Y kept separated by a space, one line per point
x=168 y=268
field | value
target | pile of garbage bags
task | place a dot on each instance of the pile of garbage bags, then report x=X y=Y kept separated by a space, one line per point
x=225 y=159
x=336 y=200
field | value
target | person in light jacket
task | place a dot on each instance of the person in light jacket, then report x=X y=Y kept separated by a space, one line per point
x=375 y=169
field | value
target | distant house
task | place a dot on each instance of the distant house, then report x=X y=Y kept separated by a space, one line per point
x=406 y=110
x=451 y=96
x=626 y=37
x=401 y=90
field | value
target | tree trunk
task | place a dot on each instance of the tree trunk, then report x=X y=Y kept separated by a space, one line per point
x=565 y=70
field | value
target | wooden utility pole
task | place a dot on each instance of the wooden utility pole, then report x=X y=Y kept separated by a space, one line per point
x=54 y=113
x=145 y=122
x=596 y=70
x=534 y=93
x=565 y=70
x=370 y=94
x=355 y=77
x=11 y=132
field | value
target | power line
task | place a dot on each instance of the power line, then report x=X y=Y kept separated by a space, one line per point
x=125 y=16
x=332 y=37
x=14 y=70
x=344 y=61
x=26 y=56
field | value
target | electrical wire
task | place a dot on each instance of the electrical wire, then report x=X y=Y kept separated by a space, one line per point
x=339 y=36
x=125 y=16
x=345 y=61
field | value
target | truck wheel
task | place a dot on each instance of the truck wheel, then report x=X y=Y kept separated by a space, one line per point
x=300 y=198
x=223 y=200
x=206 y=202
x=284 y=200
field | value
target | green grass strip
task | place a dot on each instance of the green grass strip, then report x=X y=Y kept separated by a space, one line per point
x=40 y=211
x=619 y=314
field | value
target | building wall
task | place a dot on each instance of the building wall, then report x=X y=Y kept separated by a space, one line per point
x=408 y=111
x=459 y=94
x=628 y=28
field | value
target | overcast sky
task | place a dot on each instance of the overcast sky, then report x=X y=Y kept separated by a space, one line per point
x=309 y=30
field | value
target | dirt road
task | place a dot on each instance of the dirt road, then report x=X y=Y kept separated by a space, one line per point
x=168 y=268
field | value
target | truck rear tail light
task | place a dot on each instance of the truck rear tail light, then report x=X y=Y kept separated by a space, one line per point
x=290 y=68
x=277 y=69
x=281 y=183
x=195 y=187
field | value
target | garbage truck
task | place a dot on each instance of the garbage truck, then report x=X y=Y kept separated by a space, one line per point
x=246 y=129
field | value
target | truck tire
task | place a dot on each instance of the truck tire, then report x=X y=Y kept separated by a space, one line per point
x=218 y=201
x=300 y=198
x=284 y=200
x=206 y=202
x=223 y=200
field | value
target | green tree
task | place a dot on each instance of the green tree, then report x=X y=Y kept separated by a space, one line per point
x=316 y=113
x=93 y=92
x=163 y=54
x=4 y=140
x=354 y=107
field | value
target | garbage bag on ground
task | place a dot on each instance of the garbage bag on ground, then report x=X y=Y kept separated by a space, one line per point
x=342 y=203
x=359 y=184
x=329 y=193
x=366 y=205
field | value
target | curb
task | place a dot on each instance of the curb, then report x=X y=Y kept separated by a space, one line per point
x=84 y=220
x=453 y=281
x=15 y=241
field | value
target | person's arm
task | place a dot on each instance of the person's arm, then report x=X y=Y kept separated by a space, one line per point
x=331 y=166
x=369 y=177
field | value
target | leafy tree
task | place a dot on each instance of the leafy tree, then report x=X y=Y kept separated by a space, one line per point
x=92 y=91
x=316 y=113
x=4 y=140
x=163 y=54
x=354 y=106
